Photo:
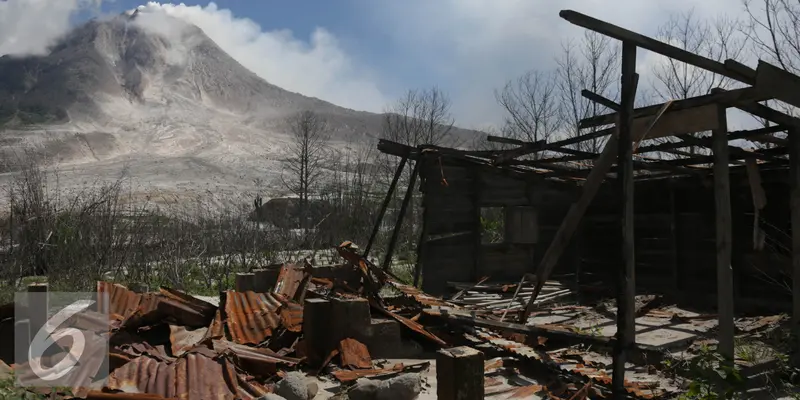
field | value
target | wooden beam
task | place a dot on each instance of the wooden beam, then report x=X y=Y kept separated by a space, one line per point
x=794 y=176
x=778 y=83
x=387 y=259
x=722 y=196
x=626 y=288
x=600 y=99
x=375 y=229
x=744 y=95
x=653 y=45
x=524 y=149
x=759 y=110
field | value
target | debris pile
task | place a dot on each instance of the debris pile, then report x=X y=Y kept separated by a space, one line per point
x=354 y=331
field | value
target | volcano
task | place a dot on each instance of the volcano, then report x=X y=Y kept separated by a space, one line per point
x=155 y=97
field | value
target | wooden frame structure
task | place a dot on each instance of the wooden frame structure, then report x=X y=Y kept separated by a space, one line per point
x=630 y=132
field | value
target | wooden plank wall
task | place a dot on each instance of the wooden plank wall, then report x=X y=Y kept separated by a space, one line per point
x=674 y=225
x=451 y=247
x=683 y=263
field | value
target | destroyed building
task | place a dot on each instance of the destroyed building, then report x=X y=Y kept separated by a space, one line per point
x=613 y=274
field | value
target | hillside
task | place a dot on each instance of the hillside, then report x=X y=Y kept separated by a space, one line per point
x=160 y=101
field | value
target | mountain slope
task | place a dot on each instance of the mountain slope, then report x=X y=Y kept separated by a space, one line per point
x=155 y=96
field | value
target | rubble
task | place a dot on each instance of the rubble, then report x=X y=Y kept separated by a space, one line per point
x=330 y=337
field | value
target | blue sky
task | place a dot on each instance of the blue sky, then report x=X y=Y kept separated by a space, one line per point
x=364 y=54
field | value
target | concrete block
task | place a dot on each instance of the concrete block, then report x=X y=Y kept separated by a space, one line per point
x=349 y=318
x=245 y=282
x=459 y=374
x=265 y=279
x=316 y=330
x=382 y=338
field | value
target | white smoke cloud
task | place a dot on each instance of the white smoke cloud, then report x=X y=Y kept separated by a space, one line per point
x=30 y=27
x=318 y=68
x=472 y=47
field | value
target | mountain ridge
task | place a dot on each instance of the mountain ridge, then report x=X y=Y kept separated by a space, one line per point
x=144 y=89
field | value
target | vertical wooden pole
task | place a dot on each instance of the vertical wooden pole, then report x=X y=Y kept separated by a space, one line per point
x=423 y=236
x=722 y=197
x=387 y=259
x=378 y=222
x=626 y=289
x=794 y=175
x=673 y=239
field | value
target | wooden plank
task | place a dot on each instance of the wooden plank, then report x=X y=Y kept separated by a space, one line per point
x=626 y=313
x=521 y=225
x=794 y=176
x=651 y=44
x=722 y=196
x=744 y=96
x=778 y=83
x=385 y=205
x=678 y=122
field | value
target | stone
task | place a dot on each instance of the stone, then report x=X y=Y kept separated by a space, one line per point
x=364 y=389
x=294 y=386
x=403 y=387
x=271 y=396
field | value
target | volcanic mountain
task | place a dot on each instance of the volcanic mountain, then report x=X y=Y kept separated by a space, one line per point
x=160 y=100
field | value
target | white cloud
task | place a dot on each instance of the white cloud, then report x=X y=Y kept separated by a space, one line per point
x=475 y=46
x=319 y=67
x=29 y=27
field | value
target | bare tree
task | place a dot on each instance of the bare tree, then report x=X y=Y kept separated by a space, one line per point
x=420 y=117
x=305 y=162
x=532 y=106
x=718 y=39
x=773 y=30
x=592 y=64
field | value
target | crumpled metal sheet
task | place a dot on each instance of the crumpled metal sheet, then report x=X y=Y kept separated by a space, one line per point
x=119 y=301
x=418 y=295
x=184 y=309
x=252 y=317
x=139 y=309
x=292 y=281
x=354 y=354
x=193 y=376
x=183 y=339
x=257 y=361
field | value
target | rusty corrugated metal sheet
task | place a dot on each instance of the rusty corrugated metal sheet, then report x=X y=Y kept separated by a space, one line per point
x=193 y=376
x=292 y=316
x=185 y=309
x=121 y=301
x=252 y=317
x=292 y=281
x=354 y=354
x=98 y=395
x=418 y=295
x=217 y=327
x=183 y=339
x=257 y=361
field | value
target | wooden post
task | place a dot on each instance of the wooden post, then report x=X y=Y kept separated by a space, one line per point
x=387 y=259
x=722 y=197
x=245 y=282
x=626 y=289
x=423 y=236
x=378 y=222
x=794 y=175
x=38 y=305
x=459 y=374
x=673 y=238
